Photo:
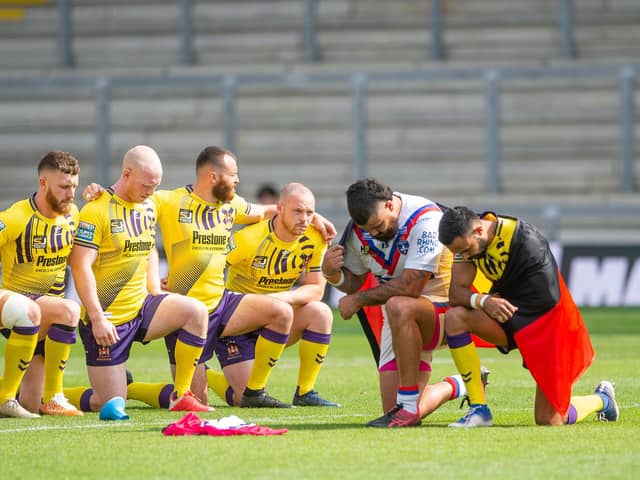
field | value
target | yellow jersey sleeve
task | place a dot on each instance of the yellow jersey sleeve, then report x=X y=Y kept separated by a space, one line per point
x=34 y=249
x=123 y=233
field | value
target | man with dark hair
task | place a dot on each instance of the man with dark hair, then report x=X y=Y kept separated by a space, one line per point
x=395 y=237
x=196 y=223
x=529 y=308
x=36 y=235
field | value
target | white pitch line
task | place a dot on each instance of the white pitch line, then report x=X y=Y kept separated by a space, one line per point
x=262 y=420
x=80 y=427
x=133 y=423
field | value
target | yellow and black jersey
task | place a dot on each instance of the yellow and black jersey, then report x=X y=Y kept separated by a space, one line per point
x=34 y=248
x=123 y=233
x=494 y=260
x=195 y=234
x=519 y=262
x=259 y=262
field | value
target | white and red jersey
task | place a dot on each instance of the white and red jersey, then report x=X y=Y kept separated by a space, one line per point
x=414 y=246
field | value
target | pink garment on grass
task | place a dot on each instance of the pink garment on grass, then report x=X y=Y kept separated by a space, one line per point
x=191 y=424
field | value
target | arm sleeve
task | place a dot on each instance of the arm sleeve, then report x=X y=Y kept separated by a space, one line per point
x=424 y=247
x=6 y=221
x=243 y=209
x=320 y=248
x=90 y=227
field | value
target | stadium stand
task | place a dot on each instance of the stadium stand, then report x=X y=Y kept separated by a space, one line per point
x=560 y=135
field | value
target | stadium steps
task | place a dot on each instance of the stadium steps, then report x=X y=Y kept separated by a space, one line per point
x=426 y=138
x=560 y=138
x=231 y=34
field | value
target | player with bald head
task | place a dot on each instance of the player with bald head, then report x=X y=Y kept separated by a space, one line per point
x=141 y=174
x=114 y=266
x=269 y=258
x=196 y=222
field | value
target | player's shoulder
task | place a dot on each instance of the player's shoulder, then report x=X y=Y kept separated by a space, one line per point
x=97 y=208
x=14 y=217
x=19 y=208
x=74 y=212
x=98 y=203
x=418 y=204
x=240 y=204
x=161 y=197
x=254 y=230
x=313 y=235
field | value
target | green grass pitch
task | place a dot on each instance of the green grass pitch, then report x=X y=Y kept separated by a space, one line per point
x=333 y=443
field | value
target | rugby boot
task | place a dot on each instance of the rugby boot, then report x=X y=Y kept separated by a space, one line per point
x=59 y=406
x=11 y=408
x=260 y=399
x=610 y=410
x=187 y=403
x=312 y=399
x=478 y=415
x=397 y=417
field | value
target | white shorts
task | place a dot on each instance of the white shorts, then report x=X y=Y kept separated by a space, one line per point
x=387 y=356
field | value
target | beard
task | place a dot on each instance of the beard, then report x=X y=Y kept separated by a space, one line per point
x=294 y=228
x=222 y=192
x=60 y=207
x=388 y=234
x=482 y=246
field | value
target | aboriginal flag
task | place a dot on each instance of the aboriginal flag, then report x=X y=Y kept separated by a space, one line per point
x=556 y=349
x=371 y=320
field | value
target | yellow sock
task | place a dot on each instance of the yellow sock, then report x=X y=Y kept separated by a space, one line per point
x=268 y=353
x=312 y=357
x=153 y=394
x=17 y=357
x=56 y=356
x=74 y=395
x=584 y=406
x=187 y=356
x=467 y=361
x=218 y=383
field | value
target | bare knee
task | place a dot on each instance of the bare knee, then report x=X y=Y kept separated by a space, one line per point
x=454 y=321
x=393 y=307
x=70 y=314
x=280 y=316
x=321 y=317
x=544 y=412
x=400 y=309
x=549 y=420
x=196 y=318
x=33 y=313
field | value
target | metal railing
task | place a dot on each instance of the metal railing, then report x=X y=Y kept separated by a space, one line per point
x=436 y=24
x=358 y=85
